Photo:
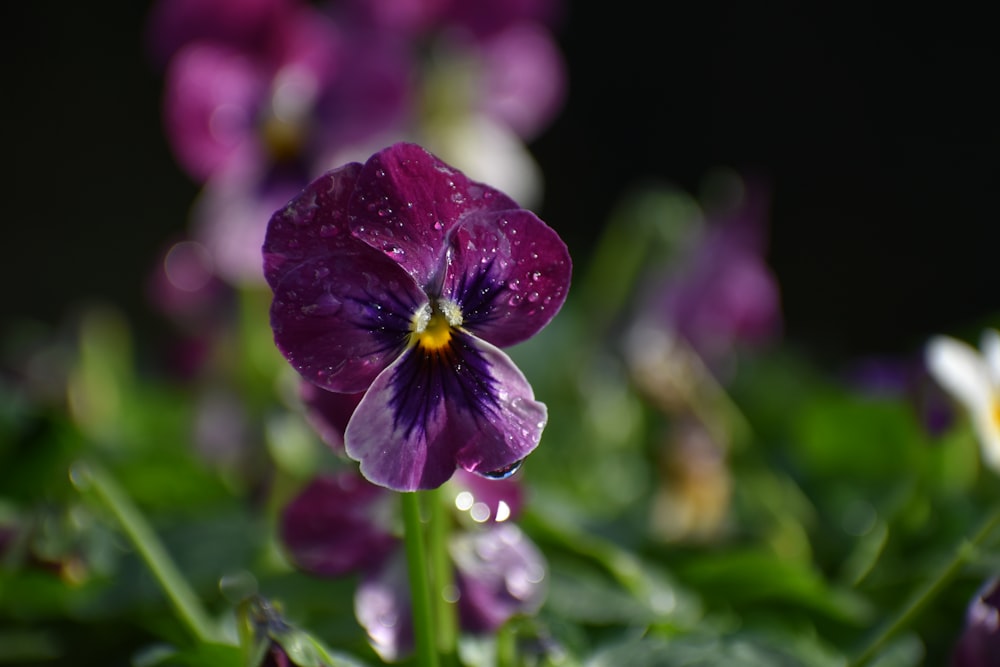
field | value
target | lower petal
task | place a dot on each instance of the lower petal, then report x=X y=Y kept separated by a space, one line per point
x=466 y=405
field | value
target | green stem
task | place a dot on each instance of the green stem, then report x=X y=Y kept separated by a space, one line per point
x=420 y=596
x=927 y=594
x=91 y=476
x=443 y=580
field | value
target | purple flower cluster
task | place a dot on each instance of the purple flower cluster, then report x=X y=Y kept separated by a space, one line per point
x=264 y=95
x=400 y=280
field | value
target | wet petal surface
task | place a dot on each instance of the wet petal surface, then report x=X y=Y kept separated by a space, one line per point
x=509 y=273
x=312 y=226
x=340 y=320
x=406 y=203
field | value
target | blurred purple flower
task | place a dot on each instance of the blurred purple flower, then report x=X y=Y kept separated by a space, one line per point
x=341 y=524
x=723 y=294
x=523 y=84
x=259 y=98
x=401 y=278
x=979 y=645
x=909 y=380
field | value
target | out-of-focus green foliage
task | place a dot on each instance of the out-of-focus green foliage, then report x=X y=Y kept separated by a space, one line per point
x=815 y=515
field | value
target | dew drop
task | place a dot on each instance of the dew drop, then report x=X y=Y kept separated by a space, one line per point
x=438 y=225
x=380 y=173
x=384 y=212
x=505 y=472
x=514 y=300
x=533 y=297
x=457 y=197
x=536 y=276
x=392 y=249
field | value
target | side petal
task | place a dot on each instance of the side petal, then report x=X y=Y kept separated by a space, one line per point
x=341 y=319
x=407 y=201
x=312 y=225
x=466 y=406
x=509 y=273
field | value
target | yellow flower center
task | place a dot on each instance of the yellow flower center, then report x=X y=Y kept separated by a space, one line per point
x=433 y=325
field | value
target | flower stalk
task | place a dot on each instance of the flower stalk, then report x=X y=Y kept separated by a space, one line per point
x=445 y=591
x=420 y=588
x=90 y=476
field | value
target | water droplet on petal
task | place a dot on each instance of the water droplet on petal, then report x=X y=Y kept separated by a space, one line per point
x=514 y=300
x=438 y=225
x=505 y=472
x=533 y=297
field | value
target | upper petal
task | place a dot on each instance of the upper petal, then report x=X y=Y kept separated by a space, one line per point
x=406 y=203
x=342 y=318
x=312 y=225
x=509 y=273
x=466 y=406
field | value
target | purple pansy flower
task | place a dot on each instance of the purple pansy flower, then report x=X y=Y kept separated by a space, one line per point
x=341 y=524
x=979 y=645
x=401 y=278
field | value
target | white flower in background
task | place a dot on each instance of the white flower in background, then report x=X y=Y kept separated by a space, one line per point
x=973 y=379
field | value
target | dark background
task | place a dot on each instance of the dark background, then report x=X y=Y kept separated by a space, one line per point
x=878 y=129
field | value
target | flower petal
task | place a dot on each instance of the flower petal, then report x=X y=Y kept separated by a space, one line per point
x=957 y=367
x=500 y=573
x=210 y=98
x=466 y=405
x=382 y=607
x=313 y=225
x=341 y=319
x=990 y=346
x=406 y=203
x=331 y=528
x=328 y=412
x=980 y=642
x=509 y=273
